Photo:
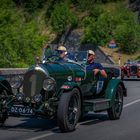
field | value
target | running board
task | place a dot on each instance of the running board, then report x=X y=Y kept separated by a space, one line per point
x=96 y=104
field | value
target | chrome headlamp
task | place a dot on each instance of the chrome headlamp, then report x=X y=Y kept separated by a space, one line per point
x=20 y=96
x=49 y=84
x=37 y=98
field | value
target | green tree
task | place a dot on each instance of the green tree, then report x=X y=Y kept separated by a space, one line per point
x=61 y=17
x=20 y=42
x=119 y=24
x=128 y=38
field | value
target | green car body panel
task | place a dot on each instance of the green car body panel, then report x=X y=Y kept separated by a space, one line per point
x=49 y=88
x=2 y=78
x=111 y=89
x=61 y=72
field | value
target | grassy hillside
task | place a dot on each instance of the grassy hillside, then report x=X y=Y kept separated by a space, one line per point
x=115 y=54
x=27 y=25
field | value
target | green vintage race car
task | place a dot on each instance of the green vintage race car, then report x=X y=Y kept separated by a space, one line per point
x=64 y=90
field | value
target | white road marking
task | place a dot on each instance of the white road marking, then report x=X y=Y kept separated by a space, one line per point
x=131 y=103
x=52 y=133
x=41 y=136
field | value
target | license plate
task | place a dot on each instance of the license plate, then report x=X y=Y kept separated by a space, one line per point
x=21 y=110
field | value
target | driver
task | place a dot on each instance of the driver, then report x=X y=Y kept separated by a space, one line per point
x=96 y=67
x=62 y=52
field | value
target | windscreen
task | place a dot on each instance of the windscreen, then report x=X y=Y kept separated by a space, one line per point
x=77 y=56
x=72 y=56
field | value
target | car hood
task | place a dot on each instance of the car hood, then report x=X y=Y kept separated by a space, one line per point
x=60 y=72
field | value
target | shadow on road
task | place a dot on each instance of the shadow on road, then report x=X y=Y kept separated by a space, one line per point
x=29 y=124
x=41 y=124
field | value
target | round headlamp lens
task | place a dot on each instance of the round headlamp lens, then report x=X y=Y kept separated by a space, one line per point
x=37 y=98
x=19 y=96
x=48 y=84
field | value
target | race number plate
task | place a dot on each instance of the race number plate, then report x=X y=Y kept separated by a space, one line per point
x=21 y=110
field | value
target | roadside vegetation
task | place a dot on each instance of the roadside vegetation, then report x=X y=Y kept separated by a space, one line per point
x=27 y=25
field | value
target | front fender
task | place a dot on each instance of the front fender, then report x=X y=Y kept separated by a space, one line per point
x=111 y=89
x=69 y=86
x=2 y=78
x=4 y=84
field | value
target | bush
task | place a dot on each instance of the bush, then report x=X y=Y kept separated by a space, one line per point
x=85 y=5
x=61 y=17
x=101 y=31
x=30 y=5
x=138 y=58
x=20 y=42
x=95 y=11
x=119 y=24
x=128 y=38
x=127 y=32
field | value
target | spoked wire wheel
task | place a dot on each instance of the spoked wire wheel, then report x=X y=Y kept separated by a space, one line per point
x=73 y=109
x=69 y=110
x=3 y=110
x=115 y=111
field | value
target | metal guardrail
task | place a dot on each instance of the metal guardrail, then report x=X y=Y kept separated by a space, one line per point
x=9 y=73
x=12 y=71
x=12 y=75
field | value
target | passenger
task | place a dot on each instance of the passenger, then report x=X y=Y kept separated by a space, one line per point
x=96 y=67
x=62 y=52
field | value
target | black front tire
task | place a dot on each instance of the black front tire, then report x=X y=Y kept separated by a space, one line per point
x=69 y=110
x=122 y=75
x=114 y=112
x=3 y=116
x=3 y=110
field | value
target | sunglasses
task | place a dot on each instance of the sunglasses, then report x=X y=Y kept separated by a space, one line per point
x=90 y=55
x=60 y=52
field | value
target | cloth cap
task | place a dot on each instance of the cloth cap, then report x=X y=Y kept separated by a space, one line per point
x=91 y=52
x=62 y=49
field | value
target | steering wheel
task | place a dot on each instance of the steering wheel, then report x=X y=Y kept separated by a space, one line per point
x=52 y=58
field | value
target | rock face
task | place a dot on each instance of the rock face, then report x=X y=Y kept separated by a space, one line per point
x=73 y=43
x=71 y=40
x=101 y=57
x=135 y=6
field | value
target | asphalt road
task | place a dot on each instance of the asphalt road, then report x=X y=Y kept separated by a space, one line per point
x=94 y=126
